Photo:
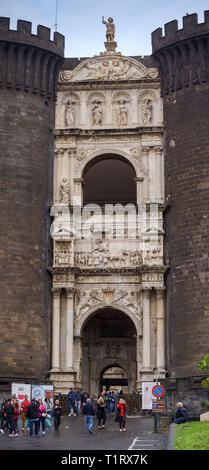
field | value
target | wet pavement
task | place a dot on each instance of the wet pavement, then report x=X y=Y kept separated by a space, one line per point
x=72 y=435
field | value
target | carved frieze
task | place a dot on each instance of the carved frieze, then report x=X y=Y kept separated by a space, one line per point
x=97 y=258
x=86 y=299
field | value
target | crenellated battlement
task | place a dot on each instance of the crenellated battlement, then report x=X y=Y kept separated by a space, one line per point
x=29 y=62
x=181 y=55
x=23 y=35
x=191 y=28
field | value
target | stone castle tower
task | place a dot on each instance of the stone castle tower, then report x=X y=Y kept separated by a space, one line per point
x=181 y=56
x=70 y=307
x=28 y=74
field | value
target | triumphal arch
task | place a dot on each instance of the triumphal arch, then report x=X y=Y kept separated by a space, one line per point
x=107 y=230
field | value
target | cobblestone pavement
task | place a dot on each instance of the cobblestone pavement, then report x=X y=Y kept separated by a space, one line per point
x=72 y=435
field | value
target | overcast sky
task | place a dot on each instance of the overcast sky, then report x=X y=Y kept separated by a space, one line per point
x=80 y=21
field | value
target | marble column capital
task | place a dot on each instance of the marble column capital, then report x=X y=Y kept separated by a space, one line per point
x=56 y=291
x=160 y=292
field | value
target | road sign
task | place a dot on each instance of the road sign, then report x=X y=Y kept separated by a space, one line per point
x=158 y=406
x=158 y=391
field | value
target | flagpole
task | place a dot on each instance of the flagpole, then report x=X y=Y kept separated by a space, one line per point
x=56 y=15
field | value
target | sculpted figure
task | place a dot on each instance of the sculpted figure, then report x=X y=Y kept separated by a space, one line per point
x=70 y=114
x=122 y=114
x=97 y=114
x=64 y=191
x=147 y=111
x=110 y=32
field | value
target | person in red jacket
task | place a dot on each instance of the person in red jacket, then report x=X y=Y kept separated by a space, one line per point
x=122 y=414
x=16 y=415
x=24 y=408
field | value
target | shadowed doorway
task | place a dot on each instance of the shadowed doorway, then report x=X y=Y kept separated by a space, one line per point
x=109 y=340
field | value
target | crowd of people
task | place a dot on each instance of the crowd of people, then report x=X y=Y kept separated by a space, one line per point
x=110 y=402
x=37 y=415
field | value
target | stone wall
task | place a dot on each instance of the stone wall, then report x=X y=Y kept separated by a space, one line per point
x=181 y=56
x=29 y=66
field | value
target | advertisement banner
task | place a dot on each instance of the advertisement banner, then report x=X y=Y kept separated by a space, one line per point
x=20 y=390
x=41 y=392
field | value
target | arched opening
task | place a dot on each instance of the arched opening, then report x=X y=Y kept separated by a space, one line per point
x=114 y=377
x=109 y=179
x=108 y=341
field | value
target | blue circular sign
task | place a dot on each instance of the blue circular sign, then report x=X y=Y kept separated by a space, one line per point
x=158 y=391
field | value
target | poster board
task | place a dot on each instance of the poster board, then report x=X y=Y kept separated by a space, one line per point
x=20 y=390
x=41 y=392
x=147 y=396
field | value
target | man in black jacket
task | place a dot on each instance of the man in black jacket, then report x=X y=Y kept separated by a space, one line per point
x=88 y=412
x=33 y=417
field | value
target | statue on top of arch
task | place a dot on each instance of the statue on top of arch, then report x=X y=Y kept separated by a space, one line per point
x=110 y=43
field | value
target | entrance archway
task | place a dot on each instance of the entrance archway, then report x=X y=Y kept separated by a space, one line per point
x=108 y=340
x=114 y=378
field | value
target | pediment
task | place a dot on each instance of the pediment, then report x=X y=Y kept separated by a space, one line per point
x=108 y=67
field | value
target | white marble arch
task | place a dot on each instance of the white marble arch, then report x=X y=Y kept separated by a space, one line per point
x=80 y=322
x=107 y=151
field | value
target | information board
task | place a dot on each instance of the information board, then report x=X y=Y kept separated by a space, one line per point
x=20 y=390
x=147 y=395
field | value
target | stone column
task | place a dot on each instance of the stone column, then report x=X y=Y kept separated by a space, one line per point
x=69 y=329
x=160 y=315
x=159 y=173
x=56 y=330
x=134 y=108
x=108 y=117
x=71 y=165
x=145 y=163
x=58 y=173
x=146 y=364
x=83 y=117
x=138 y=362
x=139 y=189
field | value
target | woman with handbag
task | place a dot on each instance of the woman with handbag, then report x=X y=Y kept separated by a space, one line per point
x=101 y=415
x=49 y=409
x=42 y=415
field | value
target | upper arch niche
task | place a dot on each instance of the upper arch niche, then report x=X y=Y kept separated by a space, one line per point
x=109 y=179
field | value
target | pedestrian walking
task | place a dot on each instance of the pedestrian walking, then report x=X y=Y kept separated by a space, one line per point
x=101 y=414
x=9 y=418
x=42 y=416
x=33 y=416
x=3 y=414
x=121 y=406
x=78 y=398
x=181 y=414
x=57 y=412
x=24 y=407
x=94 y=402
x=71 y=402
x=16 y=416
x=88 y=412
x=49 y=410
x=85 y=396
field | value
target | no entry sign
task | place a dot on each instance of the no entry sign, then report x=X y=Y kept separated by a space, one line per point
x=158 y=391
